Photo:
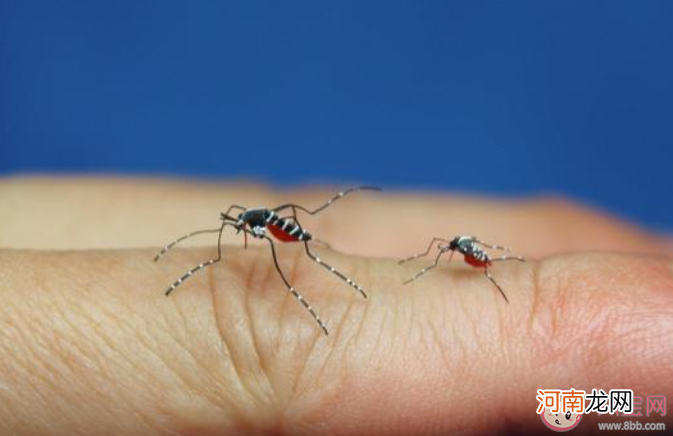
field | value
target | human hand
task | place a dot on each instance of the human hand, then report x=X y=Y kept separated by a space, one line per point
x=90 y=345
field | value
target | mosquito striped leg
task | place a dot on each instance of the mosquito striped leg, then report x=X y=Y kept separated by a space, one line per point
x=428 y=268
x=334 y=271
x=502 y=258
x=180 y=239
x=494 y=247
x=323 y=264
x=490 y=277
x=223 y=216
x=189 y=273
x=425 y=253
x=329 y=202
x=200 y=266
x=343 y=194
x=232 y=207
x=294 y=292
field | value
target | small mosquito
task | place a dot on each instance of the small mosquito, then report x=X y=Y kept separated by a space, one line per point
x=473 y=255
x=284 y=226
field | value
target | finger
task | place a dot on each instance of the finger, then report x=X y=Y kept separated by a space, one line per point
x=90 y=342
x=114 y=213
x=583 y=321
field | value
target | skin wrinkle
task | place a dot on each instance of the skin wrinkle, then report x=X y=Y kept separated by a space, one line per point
x=223 y=343
x=545 y=324
x=625 y=324
x=591 y=311
x=558 y=308
x=93 y=360
x=366 y=319
x=217 y=400
x=22 y=372
x=338 y=334
x=439 y=344
x=455 y=337
x=291 y=277
x=189 y=385
x=367 y=303
x=181 y=377
x=535 y=291
x=256 y=394
x=283 y=307
x=268 y=283
x=267 y=279
x=502 y=310
x=212 y=290
x=508 y=330
x=152 y=424
x=474 y=322
x=46 y=378
x=243 y=422
x=460 y=355
x=11 y=327
x=256 y=346
x=95 y=326
x=602 y=354
x=166 y=363
x=317 y=337
x=395 y=311
x=338 y=344
x=363 y=318
x=68 y=364
x=377 y=344
x=314 y=342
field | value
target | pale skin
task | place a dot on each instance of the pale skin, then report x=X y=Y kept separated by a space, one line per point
x=89 y=344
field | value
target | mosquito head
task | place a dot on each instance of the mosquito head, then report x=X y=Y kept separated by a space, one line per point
x=240 y=222
x=236 y=222
x=454 y=244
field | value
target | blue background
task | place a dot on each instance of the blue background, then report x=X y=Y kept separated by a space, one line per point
x=570 y=97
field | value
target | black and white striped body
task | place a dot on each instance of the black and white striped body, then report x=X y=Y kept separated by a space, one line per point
x=467 y=246
x=284 y=229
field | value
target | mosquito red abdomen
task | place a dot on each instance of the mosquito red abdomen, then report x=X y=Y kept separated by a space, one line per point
x=282 y=235
x=473 y=261
x=287 y=230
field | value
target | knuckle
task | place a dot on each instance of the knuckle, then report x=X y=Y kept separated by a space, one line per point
x=274 y=349
x=211 y=374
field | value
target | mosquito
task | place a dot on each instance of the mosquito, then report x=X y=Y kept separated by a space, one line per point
x=473 y=254
x=283 y=225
